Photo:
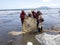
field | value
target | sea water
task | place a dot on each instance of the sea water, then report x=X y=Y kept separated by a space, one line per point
x=10 y=21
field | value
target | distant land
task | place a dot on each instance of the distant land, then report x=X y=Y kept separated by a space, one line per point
x=43 y=7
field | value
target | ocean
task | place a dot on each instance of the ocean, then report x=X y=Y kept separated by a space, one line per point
x=10 y=21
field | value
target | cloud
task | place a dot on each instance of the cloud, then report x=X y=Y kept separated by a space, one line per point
x=46 y=0
x=52 y=5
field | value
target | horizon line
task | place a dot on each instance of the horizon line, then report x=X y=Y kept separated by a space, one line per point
x=22 y=9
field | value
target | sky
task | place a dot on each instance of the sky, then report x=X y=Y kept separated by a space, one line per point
x=20 y=4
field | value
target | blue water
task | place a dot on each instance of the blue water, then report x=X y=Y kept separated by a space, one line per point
x=51 y=20
x=12 y=22
x=9 y=23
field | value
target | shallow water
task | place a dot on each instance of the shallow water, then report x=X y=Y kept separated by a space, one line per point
x=9 y=23
x=12 y=22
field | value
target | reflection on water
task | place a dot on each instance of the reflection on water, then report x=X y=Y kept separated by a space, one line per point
x=51 y=21
x=10 y=23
